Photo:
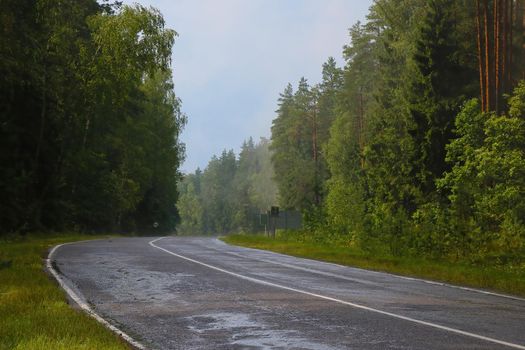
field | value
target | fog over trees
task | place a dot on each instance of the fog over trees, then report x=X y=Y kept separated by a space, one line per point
x=230 y=194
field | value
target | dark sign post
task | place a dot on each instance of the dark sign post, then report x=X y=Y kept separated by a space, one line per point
x=263 y=218
x=274 y=214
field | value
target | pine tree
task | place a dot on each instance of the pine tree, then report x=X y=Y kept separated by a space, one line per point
x=443 y=80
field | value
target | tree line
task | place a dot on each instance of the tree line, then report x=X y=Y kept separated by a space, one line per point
x=416 y=146
x=230 y=193
x=89 y=122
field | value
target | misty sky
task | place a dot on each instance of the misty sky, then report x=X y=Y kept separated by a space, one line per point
x=232 y=58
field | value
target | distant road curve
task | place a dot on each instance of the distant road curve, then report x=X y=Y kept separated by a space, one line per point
x=199 y=293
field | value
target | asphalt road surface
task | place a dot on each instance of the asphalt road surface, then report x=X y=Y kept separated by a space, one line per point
x=200 y=293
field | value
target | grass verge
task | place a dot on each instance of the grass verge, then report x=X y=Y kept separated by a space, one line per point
x=34 y=313
x=505 y=279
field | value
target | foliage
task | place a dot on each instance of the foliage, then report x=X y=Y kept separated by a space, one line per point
x=299 y=132
x=410 y=166
x=230 y=194
x=89 y=123
x=487 y=182
x=444 y=77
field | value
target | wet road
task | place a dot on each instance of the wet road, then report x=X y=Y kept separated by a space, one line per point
x=199 y=293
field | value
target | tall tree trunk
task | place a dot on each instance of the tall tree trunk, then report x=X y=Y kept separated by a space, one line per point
x=511 y=43
x=480 y=59
x=488 y=81
x=495 y=15
x=86 y=129
x=43 y=111
x=361 y=129
x=496 y=28
x=521 y=10
x=504 y=61
x=317 y=195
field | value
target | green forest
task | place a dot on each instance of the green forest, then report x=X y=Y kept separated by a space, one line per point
x=229 y=195
x=406 y=156
x=89 y=122
x=415 y=147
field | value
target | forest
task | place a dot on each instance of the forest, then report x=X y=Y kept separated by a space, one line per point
x=414 y=147
x=417 y=145
x=230 y=194
x=89 y=122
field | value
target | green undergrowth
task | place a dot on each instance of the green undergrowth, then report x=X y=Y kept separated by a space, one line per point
x=34 y=313
x=501 y=278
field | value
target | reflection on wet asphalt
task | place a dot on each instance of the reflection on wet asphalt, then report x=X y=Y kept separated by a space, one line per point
x=167 y=302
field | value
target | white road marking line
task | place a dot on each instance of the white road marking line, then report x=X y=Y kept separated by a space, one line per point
x=300 y=268
x=469 y=289
x=82 y=304
x=358 y=306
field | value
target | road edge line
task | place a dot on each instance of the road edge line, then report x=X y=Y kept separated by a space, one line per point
x=357 y=306
x=85 y=307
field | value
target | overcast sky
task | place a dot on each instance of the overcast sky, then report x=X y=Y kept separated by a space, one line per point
x=232 y=58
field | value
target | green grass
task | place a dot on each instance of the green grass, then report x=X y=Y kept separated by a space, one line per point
x=506 y=279
x=34 y=313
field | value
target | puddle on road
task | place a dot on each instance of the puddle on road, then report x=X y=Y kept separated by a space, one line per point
x=221 y=321
x=242 y=331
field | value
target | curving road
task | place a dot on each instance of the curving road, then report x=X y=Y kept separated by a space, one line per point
x=199 y=293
